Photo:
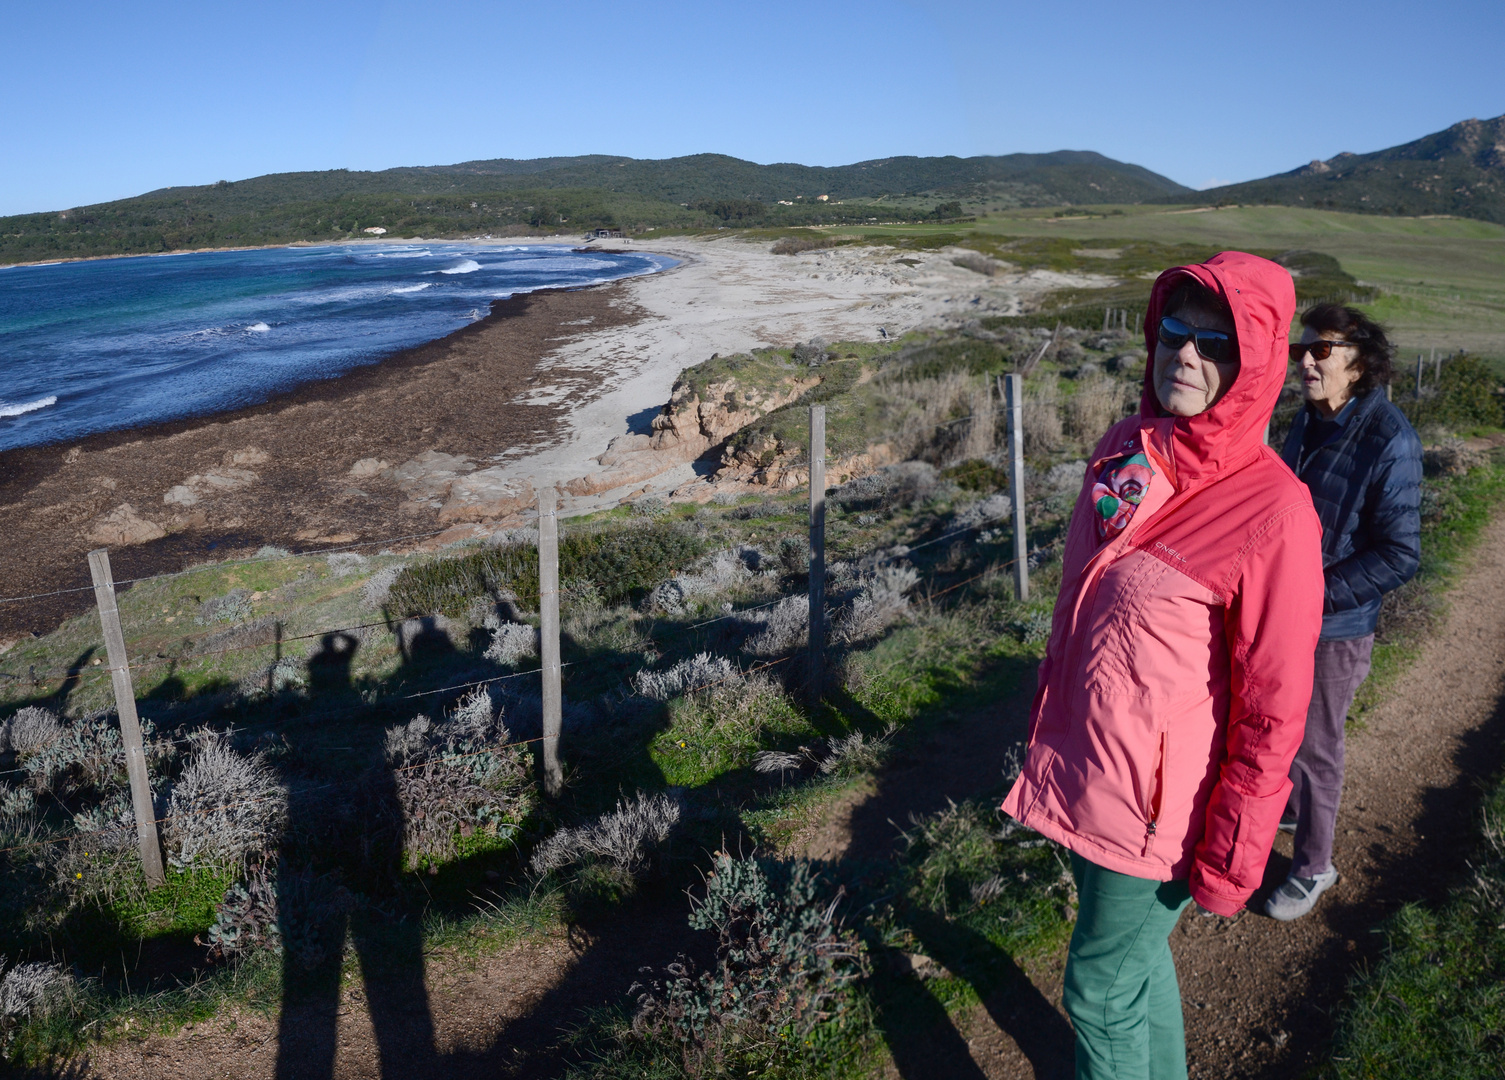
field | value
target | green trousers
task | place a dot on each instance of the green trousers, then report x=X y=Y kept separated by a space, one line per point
x=1121 y=991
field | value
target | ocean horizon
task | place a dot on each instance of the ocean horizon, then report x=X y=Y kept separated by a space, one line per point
x=113 y=344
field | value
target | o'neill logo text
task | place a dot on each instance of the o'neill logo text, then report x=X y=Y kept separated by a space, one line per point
x=1172 y=552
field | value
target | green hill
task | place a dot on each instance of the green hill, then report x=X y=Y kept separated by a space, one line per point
x=1460 y=171
x=507 y=196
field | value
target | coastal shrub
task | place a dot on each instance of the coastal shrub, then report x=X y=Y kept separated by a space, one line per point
x=793 y=245
x=375 y=592
x=784 y=966
x=233 y=607
x=711 y=577
x=223 y=807
x=977 y=263
x=345 y=563
x=977 y=475
x=86 y=753
x=510 y=642
x=33 y=990
x=457 y=780
x=626 y=837
x=778 y=629
x=994 y=510
x=879 y=603
x=701 y=670
x=1467 y=395
x=1098 y=404
x=30 y=731
x=622 y=563
x=891 y=487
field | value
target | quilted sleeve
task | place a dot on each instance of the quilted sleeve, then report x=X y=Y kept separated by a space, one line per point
x=1273 y=618
x=1390 y=551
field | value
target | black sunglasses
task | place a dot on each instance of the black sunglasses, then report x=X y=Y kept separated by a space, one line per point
x=1212 y=345
x=1320 y=350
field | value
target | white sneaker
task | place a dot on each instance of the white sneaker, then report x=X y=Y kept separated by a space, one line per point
x=1298 y=895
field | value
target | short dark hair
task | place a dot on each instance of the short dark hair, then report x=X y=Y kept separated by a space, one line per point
x=1191 y=293
x=1356 y=328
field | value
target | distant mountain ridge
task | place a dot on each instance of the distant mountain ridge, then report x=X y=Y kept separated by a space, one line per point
x=1065 y=176
x=1459 y=171
x=504 y=196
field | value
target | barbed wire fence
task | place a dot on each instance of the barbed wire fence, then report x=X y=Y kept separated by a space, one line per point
x=120 y=667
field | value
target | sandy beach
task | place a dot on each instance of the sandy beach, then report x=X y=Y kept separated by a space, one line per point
x=451 y=440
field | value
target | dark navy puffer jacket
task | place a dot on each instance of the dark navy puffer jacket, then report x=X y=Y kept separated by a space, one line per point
x=1366 y=485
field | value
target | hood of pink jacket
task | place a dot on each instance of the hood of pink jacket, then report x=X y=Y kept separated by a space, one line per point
x=1262 y=297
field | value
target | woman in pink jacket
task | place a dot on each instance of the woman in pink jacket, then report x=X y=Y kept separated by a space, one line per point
x=1174 y=689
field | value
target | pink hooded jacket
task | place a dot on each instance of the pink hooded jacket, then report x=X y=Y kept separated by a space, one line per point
x=1174 y=690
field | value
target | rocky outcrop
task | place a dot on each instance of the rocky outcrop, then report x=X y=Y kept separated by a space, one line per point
x=122 y=527
x=232 y=475
x=486 y=495
x=452 y=485
x=696 y=420
x=763 y=462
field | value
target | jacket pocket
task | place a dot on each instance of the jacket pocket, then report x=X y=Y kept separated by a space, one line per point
x=1156 y=793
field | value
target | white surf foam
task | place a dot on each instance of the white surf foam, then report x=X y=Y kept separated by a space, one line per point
x=465 y=266
x=413 y=288
x=30 y=406
x=258 y=328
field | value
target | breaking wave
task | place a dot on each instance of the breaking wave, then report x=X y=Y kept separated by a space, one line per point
x=30 y=406
x=414 y=288
x=464 y=266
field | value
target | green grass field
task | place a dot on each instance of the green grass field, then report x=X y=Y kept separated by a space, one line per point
x=1443 y=279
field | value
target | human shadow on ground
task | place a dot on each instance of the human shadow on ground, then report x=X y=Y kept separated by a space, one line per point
x=314 y=923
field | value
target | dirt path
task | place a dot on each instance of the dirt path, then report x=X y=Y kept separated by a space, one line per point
x=1258 y=994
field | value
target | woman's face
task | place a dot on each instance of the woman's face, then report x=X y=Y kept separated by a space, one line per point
x=1328 y=384
x=1186 y=382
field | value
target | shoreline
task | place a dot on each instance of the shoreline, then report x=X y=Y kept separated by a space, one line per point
x=456 y=435
x=284 y=463
x=531 y=238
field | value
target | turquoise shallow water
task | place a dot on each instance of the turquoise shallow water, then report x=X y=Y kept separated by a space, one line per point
x=118 y=343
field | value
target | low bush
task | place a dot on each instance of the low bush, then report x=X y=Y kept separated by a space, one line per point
x=458 y=780
x=511 y=642
x=1467 y=395
x=699 y=672
x=880 y=602
x=785 y=965
x=622 y=564
x=793 y=245
x=626 y=837
x=223 y=807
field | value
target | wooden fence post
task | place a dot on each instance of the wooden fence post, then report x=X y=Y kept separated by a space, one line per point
x=817 y=633
x=1418 y=376
x=548 y=646
x=1013 y=389
x=130 y=725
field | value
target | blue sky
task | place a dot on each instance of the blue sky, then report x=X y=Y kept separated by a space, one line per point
x=101 y=101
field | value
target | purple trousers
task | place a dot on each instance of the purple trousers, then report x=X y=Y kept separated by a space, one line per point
x=1317 y=772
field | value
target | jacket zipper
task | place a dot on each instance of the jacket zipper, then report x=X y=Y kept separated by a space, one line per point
x=1157 y=791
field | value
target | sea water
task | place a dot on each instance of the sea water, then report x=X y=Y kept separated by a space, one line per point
x=118 y=343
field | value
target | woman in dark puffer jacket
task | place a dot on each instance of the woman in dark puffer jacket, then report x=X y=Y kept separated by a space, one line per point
x=1362 y=463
